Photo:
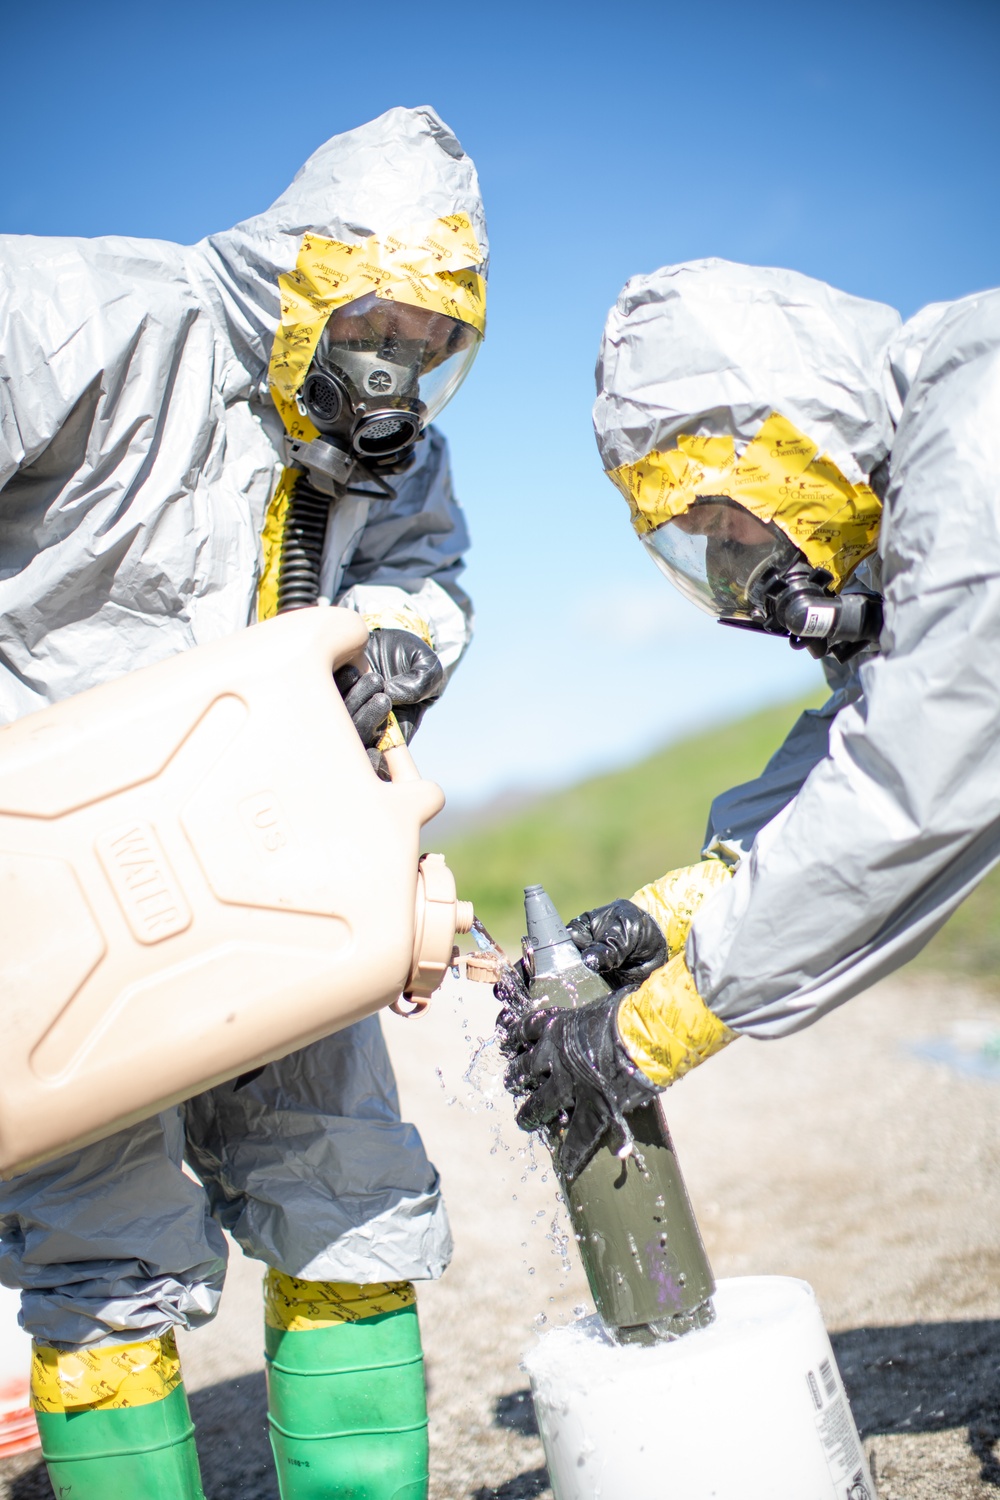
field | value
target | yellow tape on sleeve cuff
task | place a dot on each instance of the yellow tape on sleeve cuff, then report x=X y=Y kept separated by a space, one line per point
x=296 y=1306
x=109 y=1378
x=667 y=1028
x=673 y=899
x=400 y=618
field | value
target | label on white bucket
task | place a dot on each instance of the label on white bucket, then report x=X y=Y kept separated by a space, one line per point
x=838 y=1434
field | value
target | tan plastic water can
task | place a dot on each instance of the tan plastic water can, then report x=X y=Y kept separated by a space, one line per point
x=200 y=872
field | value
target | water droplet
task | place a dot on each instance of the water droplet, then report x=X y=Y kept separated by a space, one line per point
x=540 y=1319
x=531 y=1270
x=579 y=1310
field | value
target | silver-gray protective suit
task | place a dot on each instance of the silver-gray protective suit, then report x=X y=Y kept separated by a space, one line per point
x=882 y=810
x=138 y=452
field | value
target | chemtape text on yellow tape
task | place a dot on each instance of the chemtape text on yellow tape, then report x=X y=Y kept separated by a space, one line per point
x=780 y=477
x=110 y=1377
x=295 y=1306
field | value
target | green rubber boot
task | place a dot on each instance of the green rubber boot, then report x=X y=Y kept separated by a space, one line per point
x=346 y=1401
x=142 y=1445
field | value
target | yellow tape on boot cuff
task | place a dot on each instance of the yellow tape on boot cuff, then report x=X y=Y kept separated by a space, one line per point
x=296 y=1306
x=666 y=1027
x=108 y=1378
x=673 y=899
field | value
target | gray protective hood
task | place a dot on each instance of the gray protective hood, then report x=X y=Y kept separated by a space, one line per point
x=711 y=348
x=404 y=167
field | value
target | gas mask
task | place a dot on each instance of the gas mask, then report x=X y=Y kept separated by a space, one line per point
x=381 y=372
x=748 y=574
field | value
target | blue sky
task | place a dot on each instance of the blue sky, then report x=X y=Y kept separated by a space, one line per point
x=855 y=142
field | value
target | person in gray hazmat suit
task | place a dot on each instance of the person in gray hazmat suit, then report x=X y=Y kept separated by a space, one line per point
x=798 y=462
x=192 y=437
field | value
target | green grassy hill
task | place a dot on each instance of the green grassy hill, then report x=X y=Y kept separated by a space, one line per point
x=607 y=836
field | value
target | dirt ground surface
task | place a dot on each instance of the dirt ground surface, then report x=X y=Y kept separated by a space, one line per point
x=836 y=1155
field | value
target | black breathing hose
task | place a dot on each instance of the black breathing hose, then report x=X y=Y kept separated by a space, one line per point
x=302 y=547
x=298 y=581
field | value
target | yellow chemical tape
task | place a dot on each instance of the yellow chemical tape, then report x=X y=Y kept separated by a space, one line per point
x=780 y=476
x=271 y=539
x=673 y=899
x=402 y=618
x=393 y=736
x=666 y=1027
x=433 y=268
x=108 y=1378
x=297 y=1306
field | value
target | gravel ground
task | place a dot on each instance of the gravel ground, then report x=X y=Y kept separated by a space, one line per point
x=836 y=1155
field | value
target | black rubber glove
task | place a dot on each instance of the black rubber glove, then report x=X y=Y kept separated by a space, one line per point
x=576 y=1073
x=621 y=942
x=369 y=706
x=412 y=674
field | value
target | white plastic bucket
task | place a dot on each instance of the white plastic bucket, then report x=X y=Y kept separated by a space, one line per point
x=18 y=1428
x=751 y=1408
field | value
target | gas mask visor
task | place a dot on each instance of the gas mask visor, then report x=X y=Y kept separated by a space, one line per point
x=382 y=371
x=714 y=551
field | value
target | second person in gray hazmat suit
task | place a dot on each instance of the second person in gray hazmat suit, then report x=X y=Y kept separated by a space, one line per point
x=799 y=462
x=192 y=438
